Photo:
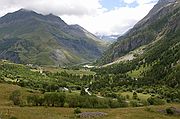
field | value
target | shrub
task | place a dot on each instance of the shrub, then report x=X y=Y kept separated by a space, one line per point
x=170 y=111
x=145 y=102
x=83 y=92
x=122 y=101
x=32 y=100
x=176 y=100
x=73 y=101
x=127 y=96
x=110 y=94
x=139 y=90
x=168 y=100
x=135 y=103
x=77 y=110
x=54 y=99
x=13 y=117
x=135 y=96
x=148 y=109
x=16 y=97
x=156 y=101
x=123 y=104
x=113 y=103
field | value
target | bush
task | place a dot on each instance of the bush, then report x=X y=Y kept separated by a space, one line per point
x=54 y=99
x=135 y=96
x=168 y=100
x=176 y=100
x=113 y=103
x=127 y=96
x=148 y=109
x=122 y=101
x=135 y=103
x=139 y=90
x=156 y=101
x=16 y=97
x=83 y=92
x=170 y=111
x=35 y=100
x=123 y=104
x=77 y=110
x=13 y=117
x=110 y=94
x=145 y=102
x=73 y=101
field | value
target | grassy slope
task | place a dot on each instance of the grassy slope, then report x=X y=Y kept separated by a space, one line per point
x=138 y=72
x=44 y=42
x=67 y=113
x=141 y=96
x=70 y=71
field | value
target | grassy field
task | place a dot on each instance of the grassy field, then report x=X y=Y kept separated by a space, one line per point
x=8 y=110
x=140 y=95
x=7 y=89
x=67 y=113
x=80 y=71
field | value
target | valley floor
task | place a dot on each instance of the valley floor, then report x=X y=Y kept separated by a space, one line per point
x=7 y=110
x=67 y=113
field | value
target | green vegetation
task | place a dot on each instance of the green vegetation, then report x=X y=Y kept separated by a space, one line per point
x=16 y=97
x=66 y=89
x=38 y=39
x=136 y=73
x=141 y=96
x=145 y=87
x=155 y=101
x=40 y=91
x=77 y=110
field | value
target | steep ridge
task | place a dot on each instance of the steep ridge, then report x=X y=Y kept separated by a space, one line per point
x=158 y=39
x=157 y=24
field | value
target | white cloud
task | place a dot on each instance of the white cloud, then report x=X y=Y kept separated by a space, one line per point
x=88 y=13
x=116 y=21
x=139 y=1
x=129 y=1
x=58 y=7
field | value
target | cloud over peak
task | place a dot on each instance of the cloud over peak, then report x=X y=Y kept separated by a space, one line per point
x=91 y=14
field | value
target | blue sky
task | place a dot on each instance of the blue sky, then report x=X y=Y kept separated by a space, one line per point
x=111 y=4
x=97 y=16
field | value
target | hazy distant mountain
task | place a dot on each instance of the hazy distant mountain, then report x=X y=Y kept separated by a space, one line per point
x=29 y=37
x=107 y=38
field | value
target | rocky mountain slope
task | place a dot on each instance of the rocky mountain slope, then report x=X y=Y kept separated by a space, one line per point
x=161 y=21
x=152 y=46
x=31 y=38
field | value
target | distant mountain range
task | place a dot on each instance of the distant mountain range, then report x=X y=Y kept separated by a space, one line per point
x=108 y=38
x=31 y=38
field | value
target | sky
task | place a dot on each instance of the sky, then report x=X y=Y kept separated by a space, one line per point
x=104 y=17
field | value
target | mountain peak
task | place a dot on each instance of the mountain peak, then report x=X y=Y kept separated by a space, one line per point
x=24 y=10
x=45 y=36
x=52 y=16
